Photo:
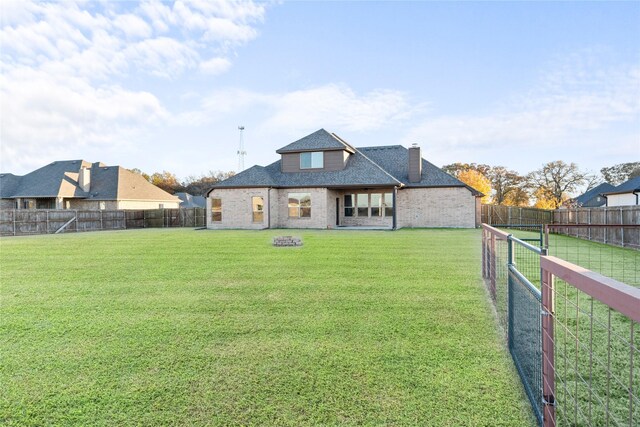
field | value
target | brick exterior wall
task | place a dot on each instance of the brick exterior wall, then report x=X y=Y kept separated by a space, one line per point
x=7 y=204
x=318 y=209
x=416 y=207
x=237 y=211
x=436 y=207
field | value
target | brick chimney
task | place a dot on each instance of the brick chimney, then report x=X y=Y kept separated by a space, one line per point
x=84 y=179
x=415 y=163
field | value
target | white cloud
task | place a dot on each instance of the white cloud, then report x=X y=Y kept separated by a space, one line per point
x=215 y=66
x=65 y=67
x=332 y=105
x=561 y=116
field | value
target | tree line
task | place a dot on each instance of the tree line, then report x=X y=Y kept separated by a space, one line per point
x=196 y=185
x=546 y=188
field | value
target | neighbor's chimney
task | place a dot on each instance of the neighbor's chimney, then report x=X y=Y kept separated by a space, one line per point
x=415 y=163
x=84 y=179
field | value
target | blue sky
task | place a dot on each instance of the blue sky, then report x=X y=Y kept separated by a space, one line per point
x=164 y=85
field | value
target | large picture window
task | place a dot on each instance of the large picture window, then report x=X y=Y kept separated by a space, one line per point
x=312 y=160
x=257 y=205
x=299 y=205
x=216 y=210
x=368 y=205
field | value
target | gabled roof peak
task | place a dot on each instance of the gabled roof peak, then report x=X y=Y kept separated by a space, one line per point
x=320 y=140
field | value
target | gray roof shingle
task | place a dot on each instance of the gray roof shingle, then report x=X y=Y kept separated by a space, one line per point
x=627 y=187
x=586 y=198
x=318 y=141
x=60 y=179
x=384 y=166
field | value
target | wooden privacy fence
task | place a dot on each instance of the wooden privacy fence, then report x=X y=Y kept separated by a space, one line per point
x=39 y=221
x=496 y=214
x=618 y=225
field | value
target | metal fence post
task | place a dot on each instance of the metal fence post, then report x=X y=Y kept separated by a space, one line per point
x=548 y=362
x=510 y=262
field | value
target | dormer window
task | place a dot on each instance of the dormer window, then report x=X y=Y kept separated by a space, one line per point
x=312 y=160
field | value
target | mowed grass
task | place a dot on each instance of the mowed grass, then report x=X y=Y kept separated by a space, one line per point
x=184 y=327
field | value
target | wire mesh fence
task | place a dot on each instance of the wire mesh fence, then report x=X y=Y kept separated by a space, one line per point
x=611 y=260
x=525 y=336
x=574 y=334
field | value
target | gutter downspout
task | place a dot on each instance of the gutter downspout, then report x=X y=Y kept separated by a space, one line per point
x=606 y=200
x=395 y=218
x=636 y=194
x=269 y=207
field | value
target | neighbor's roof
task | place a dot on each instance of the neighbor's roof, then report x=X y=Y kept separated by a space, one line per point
x=626 y=187
x=188 y=200
x=60 y=179
x=320 y=140
x=383 y=166
x=594 y=192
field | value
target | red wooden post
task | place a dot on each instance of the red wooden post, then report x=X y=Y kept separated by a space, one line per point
x=548 y=362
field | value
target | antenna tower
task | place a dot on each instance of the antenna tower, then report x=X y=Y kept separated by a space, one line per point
x=241 y=151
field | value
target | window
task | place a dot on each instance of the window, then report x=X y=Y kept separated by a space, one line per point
x=28 y=204
x=257 y=206
x=299 y=205
x=216 y=210
x=376 y=204
x=312 y=160
x=368 y=205
x=363 y=204
x=348 y=204
x=388 y=204
x=45 y=204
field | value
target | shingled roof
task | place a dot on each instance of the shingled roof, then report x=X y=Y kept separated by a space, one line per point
x=60 y=179
x=586 y=198
x=320 y=140
x=626 y=187
x=384 y=166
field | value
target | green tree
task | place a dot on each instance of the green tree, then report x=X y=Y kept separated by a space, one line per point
x=617 y=174
x=167 y=181
x=555 y=180
x=198 y=185
x=507 y=185
x=454 y=169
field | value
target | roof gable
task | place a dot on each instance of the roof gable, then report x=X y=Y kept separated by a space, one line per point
x=594 y=192
x=320 y=140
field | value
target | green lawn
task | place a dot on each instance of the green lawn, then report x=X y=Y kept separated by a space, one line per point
x=184 y=327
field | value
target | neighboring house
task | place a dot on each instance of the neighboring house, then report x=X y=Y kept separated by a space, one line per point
x=321 y=181
x=625 y=194
x=593 y=198
x=190 y=201
x=77 y=184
